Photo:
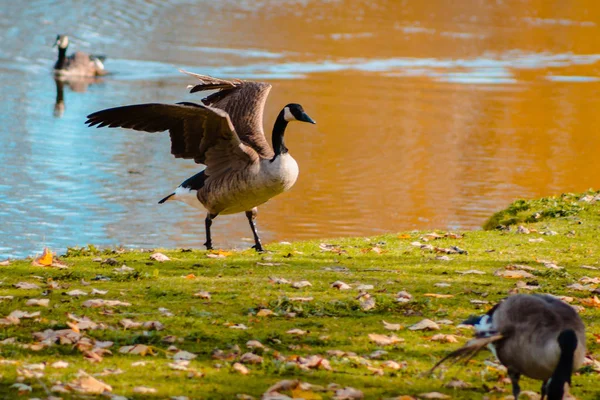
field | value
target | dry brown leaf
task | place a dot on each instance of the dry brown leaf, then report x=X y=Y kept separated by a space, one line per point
x=264 y=312
x=254 y=344
x=160 y=257
x=296 y=332
x=26 y=285
x=348 y=393
x=129 y=324
x=23 y=314
x=383 y=340
x=241 y=368
x=425 y=324
x=76 y=292
x=144 y=390
x=284 y=385
x=514 y=274
x=457 y=384
x=38 y=302
x=390 y=364
x=184 y=355
x=340 y=285
x=281 y=281
x=88 y=384
x=202 y=295
x=591 y=302
x=439 y=296
x=433 y=395
x=301 y=284
x=140 y=349
x=444 y=338
x=96 y=303
x=153 y=325
x=59 y=364
x=45 y=259
x=391 y=327
x=251 y=358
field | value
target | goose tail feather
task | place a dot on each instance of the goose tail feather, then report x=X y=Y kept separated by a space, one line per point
x=468 y=351
x=166 y=198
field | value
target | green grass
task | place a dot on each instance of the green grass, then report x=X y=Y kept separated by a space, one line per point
x=239 y=286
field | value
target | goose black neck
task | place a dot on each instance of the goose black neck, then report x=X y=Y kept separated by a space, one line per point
x=278 y=132
x=62 y=56
x=567 y=341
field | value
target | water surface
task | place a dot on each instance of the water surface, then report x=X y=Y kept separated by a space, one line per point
x=430 y=114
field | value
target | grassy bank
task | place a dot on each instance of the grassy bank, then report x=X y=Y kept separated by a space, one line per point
x=213 y=304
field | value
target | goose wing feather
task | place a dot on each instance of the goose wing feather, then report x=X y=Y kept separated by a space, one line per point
x=197 y=132
x=244 y=101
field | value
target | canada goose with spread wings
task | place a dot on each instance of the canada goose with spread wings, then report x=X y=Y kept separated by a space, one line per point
x=225 y=133
x=538 y=336
x=78 y=64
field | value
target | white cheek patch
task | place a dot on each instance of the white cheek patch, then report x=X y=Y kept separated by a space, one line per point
x=484 y=325
x=287 y=115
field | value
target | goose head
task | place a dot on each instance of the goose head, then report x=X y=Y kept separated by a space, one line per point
x=295 y=112
x=62 y=41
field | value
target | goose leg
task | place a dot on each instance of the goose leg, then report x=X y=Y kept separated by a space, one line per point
x=514 y=379
x=207 y=224
x=251 y=215
x=543 y=391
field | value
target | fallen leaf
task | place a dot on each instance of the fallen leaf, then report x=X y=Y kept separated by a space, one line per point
x=348 y=393
x=284 y=385
x=4 y=263
x=159 y=257
x=38 y=302
x=383 y=340
x=390 y=364
x=23 y=314
x=296 y=332
x=21 y=388
x=364 y=287
x=340 y=285
x=254 y=344
x=202 y=295
x=129 y=324
x=26 y=285
x=238 y=326
x=88 y=384
x=281 y=281
x=301 y=284
x=153 y=326
x=144 y=389
x=123 y=269
x=251 y=358
x=425 y=324
x=367 y=302
x=514 y=274
x=76 y=292
x=59 y=364
x=439 y=296
x=95 y=303
x=444 y=338
x=184 y=355
x=537 y=240
x=140 y=349
x=265 y=312
x=391 y=327
x=433 y=395
x=45 y=259
x=241 y=368
x=591 y=302
x=457 y=384
x=580 y=287
x=471 y=272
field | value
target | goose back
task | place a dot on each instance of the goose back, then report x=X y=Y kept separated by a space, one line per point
x=531 y=325
x=244 y=102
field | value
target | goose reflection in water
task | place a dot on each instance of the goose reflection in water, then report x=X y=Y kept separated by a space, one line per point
x=76 y=84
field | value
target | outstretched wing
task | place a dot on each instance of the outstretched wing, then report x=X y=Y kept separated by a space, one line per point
x=244 y=102
x=197 y=132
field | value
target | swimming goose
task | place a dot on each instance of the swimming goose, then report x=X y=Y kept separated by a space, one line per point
x=538 y=336
x=78 y=64
x=225 y=133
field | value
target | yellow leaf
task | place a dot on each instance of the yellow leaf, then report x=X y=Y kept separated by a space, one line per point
x=298 y=393
x=46 y=258
x=438 y=296
x=404 y=236
x=190 y=276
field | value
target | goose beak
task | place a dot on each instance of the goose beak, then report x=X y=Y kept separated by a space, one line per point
x=305 y=118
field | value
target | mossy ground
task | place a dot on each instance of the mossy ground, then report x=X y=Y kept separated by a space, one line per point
x=239 y=285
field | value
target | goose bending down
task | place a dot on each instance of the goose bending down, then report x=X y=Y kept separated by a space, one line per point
x=538 y=336
x=78 y=64
x=225 y=133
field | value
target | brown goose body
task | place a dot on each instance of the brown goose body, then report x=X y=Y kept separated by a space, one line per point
x=538 y=336
x=78 y=64
x=225 y=133
x=532 y=325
